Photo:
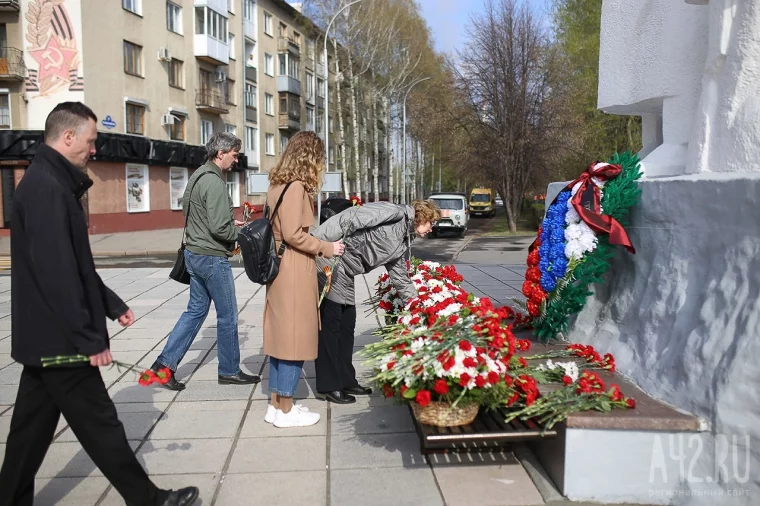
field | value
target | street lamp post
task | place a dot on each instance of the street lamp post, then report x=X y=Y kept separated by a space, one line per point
x=327 y=99
x=403 y=137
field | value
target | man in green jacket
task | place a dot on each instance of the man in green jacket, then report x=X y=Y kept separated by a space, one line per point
x=211 y=235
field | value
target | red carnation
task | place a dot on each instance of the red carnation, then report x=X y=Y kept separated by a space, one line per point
x=423 y=398
x=147 y=378
x=451 y=362
x=508 y=380
x=567 y=380
x=464 y=379
x=465 y=345
x=515 y=397
x=388 y=391
x=441 y=387
x=469 y=362
x=163 y=376
x=493 y=377
x=630 y=402
x=390 y=365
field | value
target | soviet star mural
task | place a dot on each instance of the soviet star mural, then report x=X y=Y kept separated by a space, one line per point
x=53 y=56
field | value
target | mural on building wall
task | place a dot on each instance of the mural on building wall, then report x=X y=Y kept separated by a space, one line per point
x=53 y=35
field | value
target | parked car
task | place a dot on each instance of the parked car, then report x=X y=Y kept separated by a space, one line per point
x=499 y=202
x=483 y=202
x=454 y=213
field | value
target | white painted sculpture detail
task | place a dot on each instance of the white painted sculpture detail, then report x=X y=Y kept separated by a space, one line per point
x=691 y=70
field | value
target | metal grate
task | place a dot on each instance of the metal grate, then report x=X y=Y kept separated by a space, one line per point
x=487 y=431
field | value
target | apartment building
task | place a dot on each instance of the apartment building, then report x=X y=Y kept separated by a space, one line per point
x=162 y=76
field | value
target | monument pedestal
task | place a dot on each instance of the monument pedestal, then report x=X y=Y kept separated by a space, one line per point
x=682 y=318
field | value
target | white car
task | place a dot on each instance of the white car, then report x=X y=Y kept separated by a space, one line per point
x=454 y=213
x=499 y=202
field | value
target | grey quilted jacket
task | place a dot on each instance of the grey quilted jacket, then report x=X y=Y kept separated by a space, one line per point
x=377 y=234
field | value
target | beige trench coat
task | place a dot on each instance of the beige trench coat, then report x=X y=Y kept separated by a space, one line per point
x=291 y=315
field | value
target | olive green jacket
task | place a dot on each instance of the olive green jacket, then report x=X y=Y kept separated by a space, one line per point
x=211 y=228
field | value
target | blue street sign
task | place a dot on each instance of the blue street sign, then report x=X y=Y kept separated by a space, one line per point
x=108 y=122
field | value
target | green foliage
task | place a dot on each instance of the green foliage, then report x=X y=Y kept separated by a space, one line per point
x=537 y=214
x=620 y=194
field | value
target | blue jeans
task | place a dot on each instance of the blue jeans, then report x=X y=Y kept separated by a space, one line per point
x=210 y=279
x=284 y=376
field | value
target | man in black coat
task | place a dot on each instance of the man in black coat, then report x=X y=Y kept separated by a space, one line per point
x=59 y=309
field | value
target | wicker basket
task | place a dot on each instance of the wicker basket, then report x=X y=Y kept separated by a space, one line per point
x=441 y=414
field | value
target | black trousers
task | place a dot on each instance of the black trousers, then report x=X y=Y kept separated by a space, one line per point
x=81 y=396
x=336 y=347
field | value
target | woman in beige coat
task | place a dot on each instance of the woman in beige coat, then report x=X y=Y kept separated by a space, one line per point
x=291 y=314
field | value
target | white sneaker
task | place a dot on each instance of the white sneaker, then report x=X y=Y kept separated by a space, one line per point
x=272 y=411
x=297 y=417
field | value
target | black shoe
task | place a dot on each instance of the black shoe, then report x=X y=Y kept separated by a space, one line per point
x=358 y=390
x=172 y=384
x=337 y=397
x=240 y=378
x=182 y=497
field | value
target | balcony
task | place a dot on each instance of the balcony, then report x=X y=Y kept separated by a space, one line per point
x=251 y=73
x=286 y=84
x=288 y=44
x=12 y=66
x=288 y=122
x=249 y=29
x=219 y=6
x=211 y=50
x=211 y=101
x=251 y=114
x=10 y=5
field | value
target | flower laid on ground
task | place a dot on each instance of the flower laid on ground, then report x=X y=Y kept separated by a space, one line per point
x=572 y=248
x=146 y=377
x=449 y=346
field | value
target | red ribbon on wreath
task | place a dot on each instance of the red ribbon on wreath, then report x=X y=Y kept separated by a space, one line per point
x=587 y=202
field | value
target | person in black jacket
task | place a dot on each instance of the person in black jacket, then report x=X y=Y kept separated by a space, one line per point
x=59 y=307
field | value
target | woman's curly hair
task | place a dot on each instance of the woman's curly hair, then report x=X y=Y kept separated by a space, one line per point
x=425 y=211
x=303 y=160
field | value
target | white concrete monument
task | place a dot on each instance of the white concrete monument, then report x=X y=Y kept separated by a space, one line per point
x=682 y=315
x=689 y=68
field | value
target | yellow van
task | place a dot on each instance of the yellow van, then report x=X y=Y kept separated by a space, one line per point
x=483 y=202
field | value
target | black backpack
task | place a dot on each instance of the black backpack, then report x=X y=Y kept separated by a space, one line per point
x=257 y=246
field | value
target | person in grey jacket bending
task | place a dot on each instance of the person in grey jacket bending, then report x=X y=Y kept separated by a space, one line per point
x=376 y=234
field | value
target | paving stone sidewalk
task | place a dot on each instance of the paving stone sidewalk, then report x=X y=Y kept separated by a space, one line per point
x=215 y=437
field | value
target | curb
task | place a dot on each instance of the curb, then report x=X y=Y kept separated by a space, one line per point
x=148 y=253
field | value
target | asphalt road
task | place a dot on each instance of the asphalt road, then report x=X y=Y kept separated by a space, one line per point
x=441 y=249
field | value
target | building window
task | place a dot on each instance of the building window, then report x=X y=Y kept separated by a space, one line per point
x=135 y=119
x=178 y=127
x=310 y=117
x=211 y=23
x=132 y=59
x=177 y=184
x=138 y=188
x=229 y=92
x=283 y=142
x=268 y=64
x=250 y=95
x=207 y=130
x=269 y=144
x=251 y=134
x=269 y=104
x=330 y=124
x=230 y=129
x=289 y=66
x=268 y=24
x=204 y=79
x=173 y=18
x=134 y=6
x=331 y=156
x=310 y=48
x=282 y=30
x=309 y=86
x=176 y=74
x=321 y=88
x=250 y=51
x=249 y=11
x=231 y=39
x=5 y=111
x=233 y=187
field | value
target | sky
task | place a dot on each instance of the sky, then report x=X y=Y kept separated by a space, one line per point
x=448 y=19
